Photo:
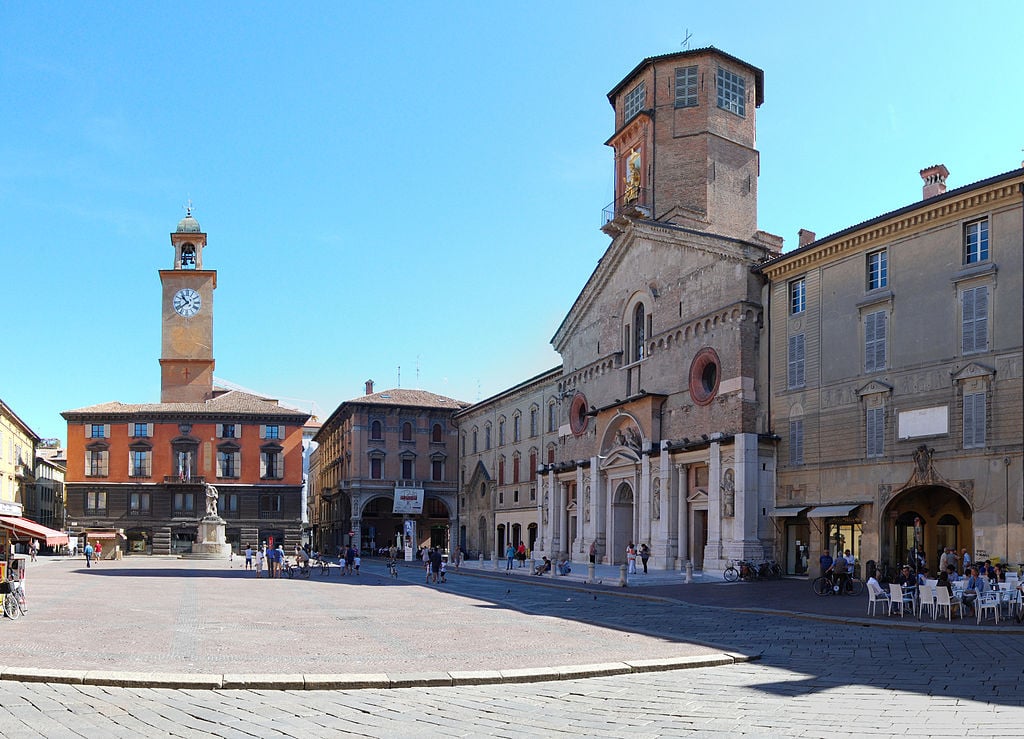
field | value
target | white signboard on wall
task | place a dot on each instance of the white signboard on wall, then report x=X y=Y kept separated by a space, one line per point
x=408 y=500
x=924 y=422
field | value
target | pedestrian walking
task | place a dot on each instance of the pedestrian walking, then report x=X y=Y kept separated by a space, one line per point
x=510 y=555
x=88 y=554
x=521 y=554
x=99 y=551
x=630 y=559
x=435 y=564
x=645 y=554
x=248 y=556
x=33 y=549
x=593 y=553
x=260 y=556
x=355 y=562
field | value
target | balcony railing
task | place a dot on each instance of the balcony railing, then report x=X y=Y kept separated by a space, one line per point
x=634 y=202
x=264 y=515
x=179 y=480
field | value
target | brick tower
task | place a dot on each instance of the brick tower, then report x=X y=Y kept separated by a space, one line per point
x=685 y=142
x=186 y=349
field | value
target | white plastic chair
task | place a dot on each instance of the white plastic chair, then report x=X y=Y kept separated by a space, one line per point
x=944 y=600
x=900 y=600
x=926 y=594
x=987 y=601
x=873 y=600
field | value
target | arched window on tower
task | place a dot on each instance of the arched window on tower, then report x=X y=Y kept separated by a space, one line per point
x=188 y=256
x=639 y=335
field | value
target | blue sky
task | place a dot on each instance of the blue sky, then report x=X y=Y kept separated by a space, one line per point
x=417 y=185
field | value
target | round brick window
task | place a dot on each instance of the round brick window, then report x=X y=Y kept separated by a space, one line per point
x=578 y=414
x=705 y=374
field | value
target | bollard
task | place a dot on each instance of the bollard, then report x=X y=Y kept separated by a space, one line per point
x=533 y=565
x=590 y=572
x=497 y=562
x=622 y=576
x=689 y=572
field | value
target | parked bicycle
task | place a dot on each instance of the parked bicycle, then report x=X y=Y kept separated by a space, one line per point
x=830 y=584
x=324 y=565
x=739 y=569
x=14 y=600
x=748 y=571
x=302 y=570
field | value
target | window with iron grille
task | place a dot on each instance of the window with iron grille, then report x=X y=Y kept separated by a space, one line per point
x=732 y=94
x=686 y=87
x=635 y=101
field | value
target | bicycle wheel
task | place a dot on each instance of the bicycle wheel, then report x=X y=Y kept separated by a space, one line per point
x=730 y=574
x=11 y=609
x=854 y=586
x=776 y=572
x=822 y=586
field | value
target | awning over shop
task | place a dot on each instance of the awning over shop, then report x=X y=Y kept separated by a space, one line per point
x=832 y=511
x=795 y=511
x=23 y=528
x=102 y=535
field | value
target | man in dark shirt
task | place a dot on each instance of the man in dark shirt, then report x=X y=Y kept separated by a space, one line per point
x=826 y=563
x=435 y=564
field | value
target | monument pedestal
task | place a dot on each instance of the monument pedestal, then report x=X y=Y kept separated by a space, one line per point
x=210 y=538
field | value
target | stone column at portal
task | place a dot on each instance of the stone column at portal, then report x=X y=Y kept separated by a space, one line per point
x=642 y=510
x=713 y=550
x=664 y=555
x=598 y=508
x=548 y=513
x=747 y=507
x=562 y=501
x=682 y=481
x=571 y=544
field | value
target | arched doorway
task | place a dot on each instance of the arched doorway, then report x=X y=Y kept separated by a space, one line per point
x=945 y=520
x=622 y=522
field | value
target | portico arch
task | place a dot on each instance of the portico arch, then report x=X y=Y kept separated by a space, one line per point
x=946 y=520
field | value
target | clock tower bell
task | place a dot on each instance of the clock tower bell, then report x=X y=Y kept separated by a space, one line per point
x=186 y=347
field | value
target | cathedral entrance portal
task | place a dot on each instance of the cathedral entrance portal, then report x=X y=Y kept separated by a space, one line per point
x=622 y=523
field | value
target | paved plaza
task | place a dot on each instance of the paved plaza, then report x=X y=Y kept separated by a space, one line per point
x=811 y=676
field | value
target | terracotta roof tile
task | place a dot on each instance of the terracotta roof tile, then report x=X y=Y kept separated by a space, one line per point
x=233 y=401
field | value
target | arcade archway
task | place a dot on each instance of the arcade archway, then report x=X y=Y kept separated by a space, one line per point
x=946 y=519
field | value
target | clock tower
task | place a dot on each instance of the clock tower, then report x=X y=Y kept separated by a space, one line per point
x=186 y=347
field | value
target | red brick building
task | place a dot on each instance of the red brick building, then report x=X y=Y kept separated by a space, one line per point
x=137 y=473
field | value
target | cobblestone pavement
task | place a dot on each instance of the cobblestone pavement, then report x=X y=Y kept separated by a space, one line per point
x=815 y=678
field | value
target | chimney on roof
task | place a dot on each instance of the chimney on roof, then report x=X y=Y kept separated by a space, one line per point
x=369 y=387
x=934 y=180
x=806 y=237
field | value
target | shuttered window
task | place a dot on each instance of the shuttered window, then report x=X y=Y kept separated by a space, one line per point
x=875 y=432
x=796 y=442
x=796 y=361
x=875 y=330
x=974 y=326
x=974 y=420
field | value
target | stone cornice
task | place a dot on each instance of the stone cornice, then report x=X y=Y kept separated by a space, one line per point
x=898 y=225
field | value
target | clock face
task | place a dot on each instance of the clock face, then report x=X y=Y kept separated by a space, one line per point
x=187 y=302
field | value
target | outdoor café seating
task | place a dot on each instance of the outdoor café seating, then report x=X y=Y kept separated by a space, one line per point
x=944 y=600
x=900 y=599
